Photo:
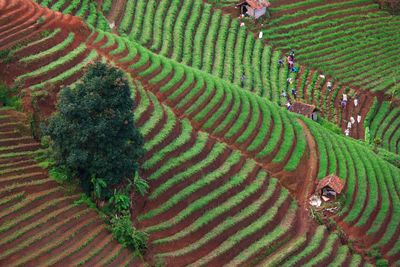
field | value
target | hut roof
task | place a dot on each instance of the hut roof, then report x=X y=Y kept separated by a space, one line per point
x=256 y=4
x=303 y=109
x=333 y=182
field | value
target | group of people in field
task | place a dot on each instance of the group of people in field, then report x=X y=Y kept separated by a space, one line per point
x=290 y=59
x=290 y=62
x=353 y=119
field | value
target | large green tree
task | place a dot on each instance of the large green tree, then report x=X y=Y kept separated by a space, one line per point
x=93 y=133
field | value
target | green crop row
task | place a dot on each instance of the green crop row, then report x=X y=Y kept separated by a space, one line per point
x=187 y=155
x=265 y=244
x=92 y=55
x=204 y=181
x=226 y=224
x=265 y=219
x=180 y=140
x=214 y=153
x=55 y=64
x=231 y=182
x=59 y=47
x=126 y=19
x=137 y=24
x=218 y=210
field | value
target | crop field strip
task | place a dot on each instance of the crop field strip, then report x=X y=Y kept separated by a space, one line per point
x=44 y=212
x=235 y=51
x=343 y=39
x=384 y=123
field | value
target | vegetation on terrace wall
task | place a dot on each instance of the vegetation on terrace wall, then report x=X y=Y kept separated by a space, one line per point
x=7 y=97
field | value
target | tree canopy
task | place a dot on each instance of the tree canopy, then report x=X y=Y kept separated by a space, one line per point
x=93 y=133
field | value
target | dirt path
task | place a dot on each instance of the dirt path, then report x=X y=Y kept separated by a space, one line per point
x=116 y=10
x=311 y=177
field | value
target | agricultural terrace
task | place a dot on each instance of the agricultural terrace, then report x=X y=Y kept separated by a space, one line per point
x=194 y=34
x=42 y=223
x=353 y=41
x=212 y=146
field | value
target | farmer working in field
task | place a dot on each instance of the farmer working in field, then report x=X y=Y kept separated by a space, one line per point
x=329 y=86
x=294 y=93
x=242 y=78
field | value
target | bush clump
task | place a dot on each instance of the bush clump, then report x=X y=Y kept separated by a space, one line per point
x=126 y=233
x=93 y=135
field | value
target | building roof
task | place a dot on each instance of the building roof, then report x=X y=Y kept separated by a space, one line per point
x=333 y=182
x=256 y=4
x=303 y=109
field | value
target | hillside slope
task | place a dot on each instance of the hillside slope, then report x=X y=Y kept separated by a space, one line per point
x=191 y=117
x=39 y=222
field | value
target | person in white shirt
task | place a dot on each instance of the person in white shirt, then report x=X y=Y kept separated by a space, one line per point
x=349 y=125
x=358 y=118
x=329 y=85
x=352 y=120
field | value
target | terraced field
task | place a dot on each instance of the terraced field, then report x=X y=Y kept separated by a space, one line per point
x=352 y=41
x=215 y=43
x=212 y=146
x=39 y=222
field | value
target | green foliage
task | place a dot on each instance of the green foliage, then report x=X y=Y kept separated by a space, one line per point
x=7 y=97
x=371 y=113
x=390 y=157
x=382 y=263
x=119 y=202
x=98 y=186
x=141 y=185
x=123 y=230
x=86 y=200
x=6 y=56
x=329 y=126
x=58 y=174
x=93 y=133
x=41 y=20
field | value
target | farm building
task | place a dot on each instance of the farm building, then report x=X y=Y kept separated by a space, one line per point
x=309 y=111
x=253 y=8
x=330 y=186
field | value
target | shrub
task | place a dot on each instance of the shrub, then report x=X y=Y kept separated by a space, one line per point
x=41 y=20
x=119 y=202
x=6 y=56
x=123 y=230
x=93 y=133
x=6 y=97
x=382 y=263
